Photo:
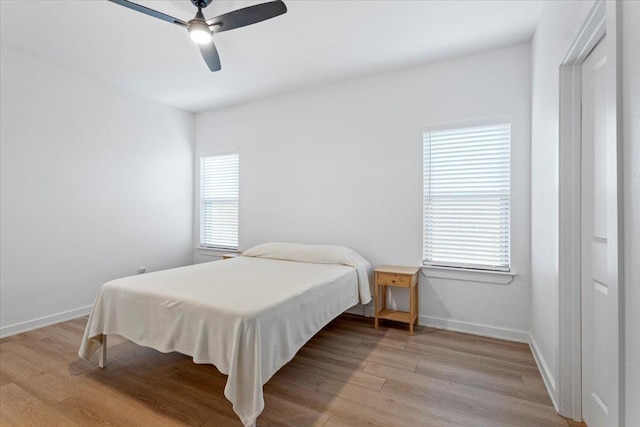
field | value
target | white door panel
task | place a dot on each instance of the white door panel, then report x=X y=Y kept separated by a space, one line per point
x=599 y=140
x=599 y=376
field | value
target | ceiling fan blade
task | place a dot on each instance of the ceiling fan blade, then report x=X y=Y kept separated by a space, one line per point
x=247 y=16
x=150 y=12
x=210 y=55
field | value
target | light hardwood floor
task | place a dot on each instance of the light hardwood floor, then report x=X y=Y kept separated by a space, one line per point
x=348 y=375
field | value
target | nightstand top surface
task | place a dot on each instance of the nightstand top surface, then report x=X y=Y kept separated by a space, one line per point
x=231 y=254
x=397 y=269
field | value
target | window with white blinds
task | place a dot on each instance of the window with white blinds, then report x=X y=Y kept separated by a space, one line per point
x=467 y=197
x=219 y=176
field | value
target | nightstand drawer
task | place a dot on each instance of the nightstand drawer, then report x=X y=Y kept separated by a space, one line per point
x=390 y=279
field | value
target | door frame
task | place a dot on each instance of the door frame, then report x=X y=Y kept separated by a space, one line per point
x=602 y=20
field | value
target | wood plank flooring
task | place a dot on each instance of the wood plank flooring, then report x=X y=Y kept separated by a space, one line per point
x=348 y=375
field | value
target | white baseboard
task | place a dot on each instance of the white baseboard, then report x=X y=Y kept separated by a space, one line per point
x=547 y=376
x=356 y=309
x=30 y=325
x=361 y=310
x=475 y=329
x=501 y=333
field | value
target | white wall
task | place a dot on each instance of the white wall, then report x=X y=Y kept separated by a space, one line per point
x=96 y=182
x=557 y=28
x=631 y=166
x=343 y=164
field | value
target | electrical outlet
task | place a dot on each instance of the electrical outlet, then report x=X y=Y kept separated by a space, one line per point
x=142 y=270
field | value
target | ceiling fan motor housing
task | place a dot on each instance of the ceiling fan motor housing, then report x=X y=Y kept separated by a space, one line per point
x=201 y=3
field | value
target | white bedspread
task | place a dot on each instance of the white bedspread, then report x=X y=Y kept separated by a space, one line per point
x=248 y=316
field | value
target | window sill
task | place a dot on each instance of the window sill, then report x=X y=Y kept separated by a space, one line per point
x=214 y=252
x=497 y=277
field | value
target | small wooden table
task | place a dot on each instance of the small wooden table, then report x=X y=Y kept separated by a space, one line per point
x=402 y=277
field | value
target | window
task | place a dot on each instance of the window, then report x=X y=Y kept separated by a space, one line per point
x=219 y=201
x=467 y=197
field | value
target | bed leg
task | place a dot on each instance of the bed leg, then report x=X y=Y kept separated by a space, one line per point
x=102 y=362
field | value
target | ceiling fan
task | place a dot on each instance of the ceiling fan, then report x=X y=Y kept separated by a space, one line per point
x=201 y=30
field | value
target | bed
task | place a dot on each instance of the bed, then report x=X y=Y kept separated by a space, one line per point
x=247 y=315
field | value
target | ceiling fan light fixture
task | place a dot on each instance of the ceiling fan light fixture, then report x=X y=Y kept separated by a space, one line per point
x=200 y=28
x=200 y=33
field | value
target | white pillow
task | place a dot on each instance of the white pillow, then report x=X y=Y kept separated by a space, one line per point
x=319 y=254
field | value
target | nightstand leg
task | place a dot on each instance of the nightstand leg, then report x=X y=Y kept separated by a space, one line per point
x=417 y=306
x=377 y=302
x=412 y=308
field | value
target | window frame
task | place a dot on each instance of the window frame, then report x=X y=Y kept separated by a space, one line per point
x=201 y=204
x=462 y=271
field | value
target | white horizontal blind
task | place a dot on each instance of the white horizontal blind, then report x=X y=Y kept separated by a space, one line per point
x=467 y=197
x=219 y=176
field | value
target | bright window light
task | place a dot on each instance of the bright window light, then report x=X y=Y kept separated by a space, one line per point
x=467 y=178
x=219 y=190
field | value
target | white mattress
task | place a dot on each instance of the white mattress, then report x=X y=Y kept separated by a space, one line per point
x=248 y=316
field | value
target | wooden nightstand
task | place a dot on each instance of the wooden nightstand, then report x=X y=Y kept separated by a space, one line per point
x=231 y=255
x=401 y=277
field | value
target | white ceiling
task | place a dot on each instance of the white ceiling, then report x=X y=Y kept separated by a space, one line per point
x=317 y=42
